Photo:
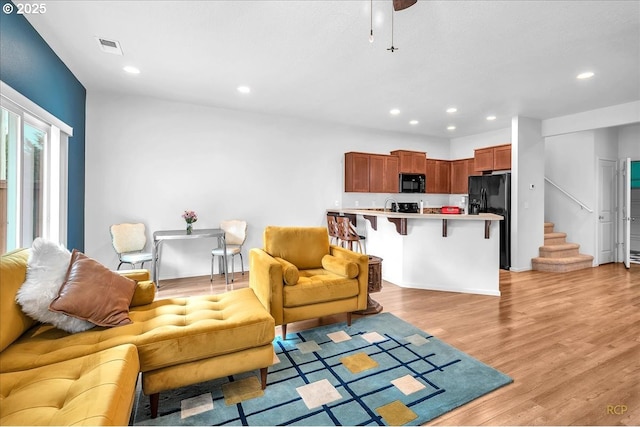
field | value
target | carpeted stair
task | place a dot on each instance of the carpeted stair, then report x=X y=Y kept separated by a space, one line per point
x=559 y=256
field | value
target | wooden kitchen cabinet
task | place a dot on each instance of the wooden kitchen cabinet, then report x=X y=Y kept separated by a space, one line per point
x=411 y=161
x=461 y=170
x=438 y=176
x=495 y=158
x=471 y=168
x=383 y=173
x=483 y=159
x=356 y=172
x=502 y=157
x=459 y=176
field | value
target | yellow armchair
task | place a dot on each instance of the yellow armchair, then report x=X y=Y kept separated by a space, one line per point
x=299 y=275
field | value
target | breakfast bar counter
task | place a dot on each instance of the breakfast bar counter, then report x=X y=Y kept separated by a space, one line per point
x=445 y=252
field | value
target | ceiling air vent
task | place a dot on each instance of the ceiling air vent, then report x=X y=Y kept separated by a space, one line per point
x=109 y=46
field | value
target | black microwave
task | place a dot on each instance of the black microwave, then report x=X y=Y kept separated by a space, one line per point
x=412 y=183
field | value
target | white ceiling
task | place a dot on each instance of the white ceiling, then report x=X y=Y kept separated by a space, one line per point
x=313 y=59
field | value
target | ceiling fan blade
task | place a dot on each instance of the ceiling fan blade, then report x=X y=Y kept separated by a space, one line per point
x=403 y=4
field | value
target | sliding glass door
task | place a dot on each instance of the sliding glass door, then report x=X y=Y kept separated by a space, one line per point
x=26 y=186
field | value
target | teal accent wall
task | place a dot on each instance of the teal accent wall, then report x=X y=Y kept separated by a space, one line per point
x=635 y=174
x=31 y=67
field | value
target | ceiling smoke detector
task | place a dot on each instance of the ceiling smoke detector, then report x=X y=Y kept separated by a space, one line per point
x=109 y=46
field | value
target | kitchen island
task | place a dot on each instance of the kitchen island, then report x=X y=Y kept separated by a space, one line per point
x=457 y=253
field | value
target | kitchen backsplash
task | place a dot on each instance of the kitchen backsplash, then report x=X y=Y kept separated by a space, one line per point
x=376 y=200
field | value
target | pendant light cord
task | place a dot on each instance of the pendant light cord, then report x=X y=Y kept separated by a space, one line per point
x=371 y=33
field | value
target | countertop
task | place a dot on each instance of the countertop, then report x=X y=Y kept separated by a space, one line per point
x=388 y=214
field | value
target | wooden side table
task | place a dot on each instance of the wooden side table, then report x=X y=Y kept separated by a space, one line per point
x=374 y=285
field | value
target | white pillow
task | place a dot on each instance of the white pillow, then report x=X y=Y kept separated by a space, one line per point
x=46 y=270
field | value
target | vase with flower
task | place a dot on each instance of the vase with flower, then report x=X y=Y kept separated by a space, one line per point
x=190 y=217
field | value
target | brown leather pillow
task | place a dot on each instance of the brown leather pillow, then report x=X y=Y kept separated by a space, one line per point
x=94 y=293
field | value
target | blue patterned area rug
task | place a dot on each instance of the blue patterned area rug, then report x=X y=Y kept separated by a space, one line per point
x=378 y=371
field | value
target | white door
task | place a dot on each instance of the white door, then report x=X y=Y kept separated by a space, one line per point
x=606 y=211
x=625 y=168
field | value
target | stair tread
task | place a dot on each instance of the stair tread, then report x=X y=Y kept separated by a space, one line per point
x=555 y=234
x=549 y=224
x=559 y=247
x=564 y=260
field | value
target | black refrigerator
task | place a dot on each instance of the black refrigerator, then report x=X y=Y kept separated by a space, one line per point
x=493 y=193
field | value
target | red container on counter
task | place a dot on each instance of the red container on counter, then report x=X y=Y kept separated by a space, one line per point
x=450 y=210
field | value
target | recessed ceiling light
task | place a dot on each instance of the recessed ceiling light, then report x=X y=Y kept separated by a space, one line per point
x=452 y=110
x=451 y=127
x=394 y=112
x=244 y=89
x=414 y=122
x=585 y=75
x=491 y=118
x=131 y=70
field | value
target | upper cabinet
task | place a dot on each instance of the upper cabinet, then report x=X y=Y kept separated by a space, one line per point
x=493 y=158
x=438 y=176
x=356 y=172
x=502 y=157
x=383 y=173
x=411 y=161
x=483 y=159
x=370 y=173
x=378 y=173
x=461 y=170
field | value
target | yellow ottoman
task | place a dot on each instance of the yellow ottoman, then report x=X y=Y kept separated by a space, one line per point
x=98 y=389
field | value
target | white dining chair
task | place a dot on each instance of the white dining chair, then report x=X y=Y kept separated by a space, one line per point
x=235 y=235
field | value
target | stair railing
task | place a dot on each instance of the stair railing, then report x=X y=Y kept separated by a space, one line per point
x=582 y=205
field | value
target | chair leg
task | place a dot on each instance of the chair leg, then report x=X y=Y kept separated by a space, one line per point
x=349 y=318
x=233 y=269
x=242 y=263
x=154 y=401
x=284 y=331
x=119 y=265
x=263 y=377
x=211 y=277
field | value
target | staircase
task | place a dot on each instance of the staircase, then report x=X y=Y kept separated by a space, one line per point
x=559 y=256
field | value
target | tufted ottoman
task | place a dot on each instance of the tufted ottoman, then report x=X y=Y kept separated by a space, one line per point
x=97 y=389
x=180 y=341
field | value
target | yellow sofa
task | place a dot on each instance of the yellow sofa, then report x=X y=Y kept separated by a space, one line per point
x=177 y=342
x=299 y=275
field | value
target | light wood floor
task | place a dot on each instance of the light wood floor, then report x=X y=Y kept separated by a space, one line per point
x=570 y=341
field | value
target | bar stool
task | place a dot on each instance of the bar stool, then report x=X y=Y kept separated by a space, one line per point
x=332 y=228
x=348 y=234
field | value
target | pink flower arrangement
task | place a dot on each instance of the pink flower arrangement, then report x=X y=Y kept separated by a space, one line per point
x=190 y=217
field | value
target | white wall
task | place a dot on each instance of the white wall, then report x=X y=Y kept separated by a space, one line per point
x=615 y=115
x=148 y=160
x=527 y=204
x=570 y=162
x=629 y=142
x=463 y=147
